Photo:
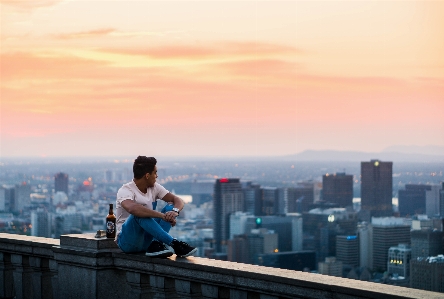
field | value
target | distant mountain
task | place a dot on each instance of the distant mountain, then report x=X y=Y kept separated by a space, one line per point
x=415 y=149
x=331 y=155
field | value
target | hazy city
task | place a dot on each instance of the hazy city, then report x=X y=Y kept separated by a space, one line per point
x=269 y=189
x=305 y=137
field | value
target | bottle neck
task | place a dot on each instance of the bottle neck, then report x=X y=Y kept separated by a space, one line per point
x=110 y=209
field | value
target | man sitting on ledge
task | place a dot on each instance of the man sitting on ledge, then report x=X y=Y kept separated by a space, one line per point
x=139 y=226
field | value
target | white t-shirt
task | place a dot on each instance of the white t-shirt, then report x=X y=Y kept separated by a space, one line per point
x=131 y=192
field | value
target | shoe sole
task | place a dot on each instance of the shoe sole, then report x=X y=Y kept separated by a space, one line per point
x=165 y=253
x=189 y=253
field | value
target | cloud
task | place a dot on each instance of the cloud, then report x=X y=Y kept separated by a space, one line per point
x=27 y=65
x=85 y=90
x=223 y=50
x=86 y=34
x=28 y=5
x=15 y=132
x=262 y=68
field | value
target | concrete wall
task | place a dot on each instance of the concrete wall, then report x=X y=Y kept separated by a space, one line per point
x=80 y=266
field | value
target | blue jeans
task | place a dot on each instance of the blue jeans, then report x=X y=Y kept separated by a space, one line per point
x=138 y=233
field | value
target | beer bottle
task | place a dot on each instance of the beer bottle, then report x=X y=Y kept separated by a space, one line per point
x=110 y=223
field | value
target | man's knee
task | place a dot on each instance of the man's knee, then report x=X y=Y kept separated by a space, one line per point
x=167 y=208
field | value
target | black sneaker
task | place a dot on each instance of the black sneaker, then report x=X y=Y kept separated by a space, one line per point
x=157 y=249
x=182 y=249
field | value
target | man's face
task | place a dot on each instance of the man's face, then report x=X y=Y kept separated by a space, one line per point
x=151 y=177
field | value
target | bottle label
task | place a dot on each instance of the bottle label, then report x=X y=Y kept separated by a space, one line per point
x=110 y=227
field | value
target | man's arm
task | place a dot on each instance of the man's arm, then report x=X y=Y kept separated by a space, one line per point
x=175 y=200
x=177 y=203
x=138 y=210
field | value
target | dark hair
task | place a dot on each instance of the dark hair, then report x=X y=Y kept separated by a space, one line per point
x=143 y=165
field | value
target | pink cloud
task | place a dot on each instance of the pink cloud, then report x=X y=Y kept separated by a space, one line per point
x=86 y=34
x=43 y=91
x=216 y=50
x=29 y=5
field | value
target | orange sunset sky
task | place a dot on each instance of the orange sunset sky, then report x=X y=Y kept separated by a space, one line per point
x=219 y=78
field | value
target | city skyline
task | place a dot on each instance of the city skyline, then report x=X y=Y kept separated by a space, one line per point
x=234 y=78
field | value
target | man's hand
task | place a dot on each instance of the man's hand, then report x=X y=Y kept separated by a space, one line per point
x=170 y=216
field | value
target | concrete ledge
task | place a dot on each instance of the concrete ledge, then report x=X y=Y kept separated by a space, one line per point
x=81 y=266
x=266 y=280
x=87 y=242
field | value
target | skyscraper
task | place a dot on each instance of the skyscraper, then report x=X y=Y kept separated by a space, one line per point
x=268 y=202
x=261 y=241
x=428 y=273
x=433 y=201
x=365 y=237
x=441 y=203
x=228 y=198
x=288 y=228
x=61 y=182
x=412 y=200
x=321 y=226
x=338 y=188
x=237 y=249
x=347 y=250
x=330 y=267
x=9 y=193
x=387 y=232
x=300 y=199
x=399 y=260
x=251 y=194
x=376 y=189
x=426 y=242
x=238 y=223
x=41 y=223
x=22 y=196
x=2 y=199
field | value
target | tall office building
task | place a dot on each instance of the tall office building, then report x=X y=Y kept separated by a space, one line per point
x=321 y=226
x=252 y=193
x=387 y=232
x=441 y=203
x=267 y=203
x=420 y=222
x=330 y=266
x=427 y=273
x=288 y=228
x=300 y=199
x=61 y=182
x=238 y=223
x=347 y=250
x=237 y=249
x=3 y=200
x=228 y=198
x=22 y=196
x=399 y=260
x=338 y=188
x=261 y=241
x=412 y=200
x=426 y=242
x=365 y=237
x=376 y=189
x=109 y=176
x=9 y=195
x=41 y=223
x=69 y=219
x=433 y=201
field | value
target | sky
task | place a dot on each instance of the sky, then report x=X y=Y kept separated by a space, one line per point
x=219 y=78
